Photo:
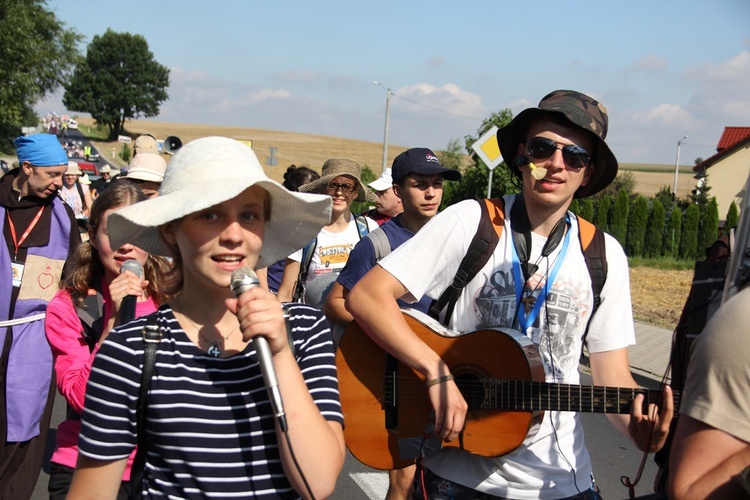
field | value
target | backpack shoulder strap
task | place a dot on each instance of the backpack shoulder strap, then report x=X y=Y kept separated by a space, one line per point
x=594 y=251
x=152 y=336
x=91 y=313
x=80 y=193
x=491 y=223
x=304 y=267
x=595 y=254
x=362 y=228
x=381 y=243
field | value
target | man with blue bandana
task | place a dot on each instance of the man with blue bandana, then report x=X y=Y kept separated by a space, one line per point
x=40 y=234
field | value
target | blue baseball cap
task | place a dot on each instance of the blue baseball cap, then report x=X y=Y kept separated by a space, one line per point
x=420 y=161
x=41 y=150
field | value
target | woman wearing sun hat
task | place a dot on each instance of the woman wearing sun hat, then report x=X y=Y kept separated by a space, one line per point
x=341 y=180
x=210 y=427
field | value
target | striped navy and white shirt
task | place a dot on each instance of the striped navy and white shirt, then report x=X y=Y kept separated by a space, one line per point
x=209 y=423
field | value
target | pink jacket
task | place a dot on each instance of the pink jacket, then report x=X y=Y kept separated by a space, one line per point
x=72 y=362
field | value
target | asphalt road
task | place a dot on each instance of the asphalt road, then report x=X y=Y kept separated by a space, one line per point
x=612 y=454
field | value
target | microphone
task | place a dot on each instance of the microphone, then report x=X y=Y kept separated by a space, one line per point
x=127 y=308
x=243 y=279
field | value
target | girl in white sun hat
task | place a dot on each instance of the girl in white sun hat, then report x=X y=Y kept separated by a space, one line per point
x=209 y=425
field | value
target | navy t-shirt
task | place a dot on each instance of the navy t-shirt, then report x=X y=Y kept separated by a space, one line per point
x=362 y=259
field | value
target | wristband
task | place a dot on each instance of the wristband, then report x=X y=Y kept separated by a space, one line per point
x=439 y=380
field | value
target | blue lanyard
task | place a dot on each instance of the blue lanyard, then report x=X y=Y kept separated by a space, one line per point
x=519 y=282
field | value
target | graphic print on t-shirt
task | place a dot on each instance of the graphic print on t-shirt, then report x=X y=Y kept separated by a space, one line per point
x=332 y=257
x=563 y=311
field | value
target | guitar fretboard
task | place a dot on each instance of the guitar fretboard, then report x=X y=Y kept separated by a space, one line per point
x=521 y=395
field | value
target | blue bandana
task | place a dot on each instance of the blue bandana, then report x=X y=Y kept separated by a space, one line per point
x=41 y=150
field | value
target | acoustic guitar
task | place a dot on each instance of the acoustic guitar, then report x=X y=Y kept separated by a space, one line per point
x=499 y=372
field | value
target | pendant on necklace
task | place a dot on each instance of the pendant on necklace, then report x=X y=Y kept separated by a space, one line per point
x=528 y=303
x=213 y=350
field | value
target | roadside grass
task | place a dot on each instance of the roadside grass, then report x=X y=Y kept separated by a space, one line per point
x=663 y=263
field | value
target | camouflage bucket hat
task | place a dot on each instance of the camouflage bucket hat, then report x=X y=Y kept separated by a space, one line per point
x=580 y=110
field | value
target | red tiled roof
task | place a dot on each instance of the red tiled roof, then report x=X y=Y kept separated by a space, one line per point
x=731 y=136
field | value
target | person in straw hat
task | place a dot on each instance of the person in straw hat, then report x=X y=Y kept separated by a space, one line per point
x=326 y=255
x=210 y=426
x=537 y=282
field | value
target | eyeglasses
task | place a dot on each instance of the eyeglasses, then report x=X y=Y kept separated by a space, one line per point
x=541 y=148
x=345 y=187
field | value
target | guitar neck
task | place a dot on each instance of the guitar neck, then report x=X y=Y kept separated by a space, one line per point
x=518 y=395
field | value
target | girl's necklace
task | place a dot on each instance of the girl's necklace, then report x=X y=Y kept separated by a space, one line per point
x=213 y=349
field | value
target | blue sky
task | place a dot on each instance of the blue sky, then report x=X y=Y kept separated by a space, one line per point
x=663 y=68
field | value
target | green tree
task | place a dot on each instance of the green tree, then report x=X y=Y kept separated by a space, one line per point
x=367 y=176
x=666 y=197
x=475 y=179
x=689 y=236
x=625 y=180
x=587 y=209
x=601 y=219
x=733 y=217
x=709 y=228
x=652 y=246
x=637 y=227
x=672 y=232
x=618 y=222
x=575 y=206
x=118 y=80
x=37 y=51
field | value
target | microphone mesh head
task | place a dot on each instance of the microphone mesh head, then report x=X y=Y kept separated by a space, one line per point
x=243 y=279
x=133 y=266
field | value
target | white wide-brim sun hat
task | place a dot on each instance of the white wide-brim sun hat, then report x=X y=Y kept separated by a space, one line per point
x=209 y=171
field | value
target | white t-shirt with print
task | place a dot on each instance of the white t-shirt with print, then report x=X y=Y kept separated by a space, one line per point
x=332 y=249
x=426 y=265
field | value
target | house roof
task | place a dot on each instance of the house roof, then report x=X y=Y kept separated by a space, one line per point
x=731 y=136
x=740 y=141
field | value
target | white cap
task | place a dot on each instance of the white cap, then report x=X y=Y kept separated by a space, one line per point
x=383 y=182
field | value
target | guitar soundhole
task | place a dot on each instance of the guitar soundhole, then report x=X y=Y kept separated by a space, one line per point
x=472 y=389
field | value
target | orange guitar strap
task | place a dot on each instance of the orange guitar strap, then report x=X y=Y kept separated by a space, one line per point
x=483 y=245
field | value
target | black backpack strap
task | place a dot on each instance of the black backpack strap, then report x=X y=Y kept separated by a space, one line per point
x=304 y=267
x=480 y=249
x=152 y=336
x=91 y=313
x=595 y=254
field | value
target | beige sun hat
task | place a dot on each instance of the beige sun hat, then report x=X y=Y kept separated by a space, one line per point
x=84 y=179
x=209 y=171
x=146 y=143
x=340 y=166
x=147 y=167
x=73 y=169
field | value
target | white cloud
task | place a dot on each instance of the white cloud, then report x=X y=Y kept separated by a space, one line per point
x=448 y=98
x=722 y=91
x=666 y=114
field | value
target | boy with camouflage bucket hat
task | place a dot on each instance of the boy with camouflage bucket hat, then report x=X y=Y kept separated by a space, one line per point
x=535 y=282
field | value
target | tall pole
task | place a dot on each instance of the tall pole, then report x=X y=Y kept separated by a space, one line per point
x=387 y=117
x=677 y=165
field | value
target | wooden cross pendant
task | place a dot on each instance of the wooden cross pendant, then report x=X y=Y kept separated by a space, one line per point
x=528 y=303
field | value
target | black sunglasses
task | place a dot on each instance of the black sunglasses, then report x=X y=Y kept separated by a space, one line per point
x=541 y=148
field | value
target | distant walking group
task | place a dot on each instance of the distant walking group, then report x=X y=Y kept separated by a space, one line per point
x=199 y=332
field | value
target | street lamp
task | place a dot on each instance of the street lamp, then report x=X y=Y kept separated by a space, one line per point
x=387 y=114
x=677 y=164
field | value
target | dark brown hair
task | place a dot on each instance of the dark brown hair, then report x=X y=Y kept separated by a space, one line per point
x=85 y=270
